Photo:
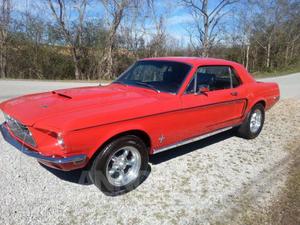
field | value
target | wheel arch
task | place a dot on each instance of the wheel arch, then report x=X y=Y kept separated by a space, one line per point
x=262 y=101
x=251 y=104
x=137 y=132
x=258 y=101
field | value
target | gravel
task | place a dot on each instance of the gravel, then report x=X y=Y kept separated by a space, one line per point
x=200 y=183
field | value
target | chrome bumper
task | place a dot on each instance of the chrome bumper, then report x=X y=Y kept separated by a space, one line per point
x=7 y=137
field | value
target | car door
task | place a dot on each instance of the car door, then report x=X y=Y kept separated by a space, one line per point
x=222 y=104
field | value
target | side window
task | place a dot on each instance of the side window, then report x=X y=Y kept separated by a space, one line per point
x=235 y=79
x=214 y=78
x=219 y=77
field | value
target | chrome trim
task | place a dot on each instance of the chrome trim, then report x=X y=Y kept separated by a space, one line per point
x=191 y=140
x=7 y=137
x=19 y=130
x=123 y=166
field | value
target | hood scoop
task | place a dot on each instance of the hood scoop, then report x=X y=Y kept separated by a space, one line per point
x=61 y=94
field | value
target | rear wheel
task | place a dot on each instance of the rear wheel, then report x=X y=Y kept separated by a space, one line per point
x=120 y=166
x=253 y=124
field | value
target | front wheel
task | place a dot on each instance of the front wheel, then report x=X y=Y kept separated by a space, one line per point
x=253 y=124
x=120 y=166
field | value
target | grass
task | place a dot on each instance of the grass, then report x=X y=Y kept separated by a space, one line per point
x=279 y=72
x=286 y=208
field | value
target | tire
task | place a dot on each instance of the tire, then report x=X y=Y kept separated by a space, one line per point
x=253 y=124
x=120 y=166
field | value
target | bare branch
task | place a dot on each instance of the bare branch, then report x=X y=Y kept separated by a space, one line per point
x=71 y=37
x=205 y=21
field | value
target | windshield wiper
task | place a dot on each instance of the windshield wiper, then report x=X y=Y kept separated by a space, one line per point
x=147 y=85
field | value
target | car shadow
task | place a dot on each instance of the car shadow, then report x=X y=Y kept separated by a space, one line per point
x=182 y=150
x=81 y=177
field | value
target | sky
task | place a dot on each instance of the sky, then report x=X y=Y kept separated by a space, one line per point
x=177 y=17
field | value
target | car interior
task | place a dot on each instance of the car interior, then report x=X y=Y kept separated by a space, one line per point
x=214 y=78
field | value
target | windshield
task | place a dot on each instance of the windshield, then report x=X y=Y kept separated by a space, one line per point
x=160 y=76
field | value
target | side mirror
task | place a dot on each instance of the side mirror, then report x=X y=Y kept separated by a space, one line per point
x=203 y=89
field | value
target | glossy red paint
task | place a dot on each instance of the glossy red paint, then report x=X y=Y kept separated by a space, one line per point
x=89 y=117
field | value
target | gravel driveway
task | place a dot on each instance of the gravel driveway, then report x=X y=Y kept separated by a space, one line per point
x=206 y=182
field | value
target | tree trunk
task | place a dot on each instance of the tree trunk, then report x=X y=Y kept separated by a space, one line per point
x=5 y=11
x=3 y=66
x=205 y=43
x=292 y=52
x=243 y=56
x=205 y=52
x=268 y=54
x=254 y=59
x=286 y=57
x=247 y=57
x=3 y=61
x=77 y=72
x=106 y=64
x=76 y=63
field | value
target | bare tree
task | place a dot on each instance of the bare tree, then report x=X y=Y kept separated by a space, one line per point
x=158 y=42
x=134 y=30
x=242 y=32
x=35 y=29
x=73 y=38
x=147 y=33
x=206 y=21
x=290 y=29
x=5 y=7
x=265 y=25
x=116 y=10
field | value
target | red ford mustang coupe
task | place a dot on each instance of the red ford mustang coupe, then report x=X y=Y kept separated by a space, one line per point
x=154 y=106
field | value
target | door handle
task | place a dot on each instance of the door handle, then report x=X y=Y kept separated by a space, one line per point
x=234 y=93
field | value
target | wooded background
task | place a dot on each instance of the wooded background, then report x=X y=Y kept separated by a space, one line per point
x=59 y=39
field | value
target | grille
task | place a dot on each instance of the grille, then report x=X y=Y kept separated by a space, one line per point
x=20 y=130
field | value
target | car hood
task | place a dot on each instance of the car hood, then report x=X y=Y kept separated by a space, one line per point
x=78 y=108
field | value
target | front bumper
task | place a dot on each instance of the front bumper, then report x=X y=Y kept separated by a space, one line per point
x=67 y=163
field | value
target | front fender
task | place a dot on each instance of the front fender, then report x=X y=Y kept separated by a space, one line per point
x=90 y=140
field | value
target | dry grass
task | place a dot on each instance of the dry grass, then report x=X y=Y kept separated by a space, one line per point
x=279 y=72
x=284 y=210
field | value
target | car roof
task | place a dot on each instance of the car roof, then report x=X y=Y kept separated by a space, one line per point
x=198 y=61
x=192 y=60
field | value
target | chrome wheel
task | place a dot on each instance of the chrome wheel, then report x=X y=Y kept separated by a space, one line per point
x=255 y=121
x=123 y=166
